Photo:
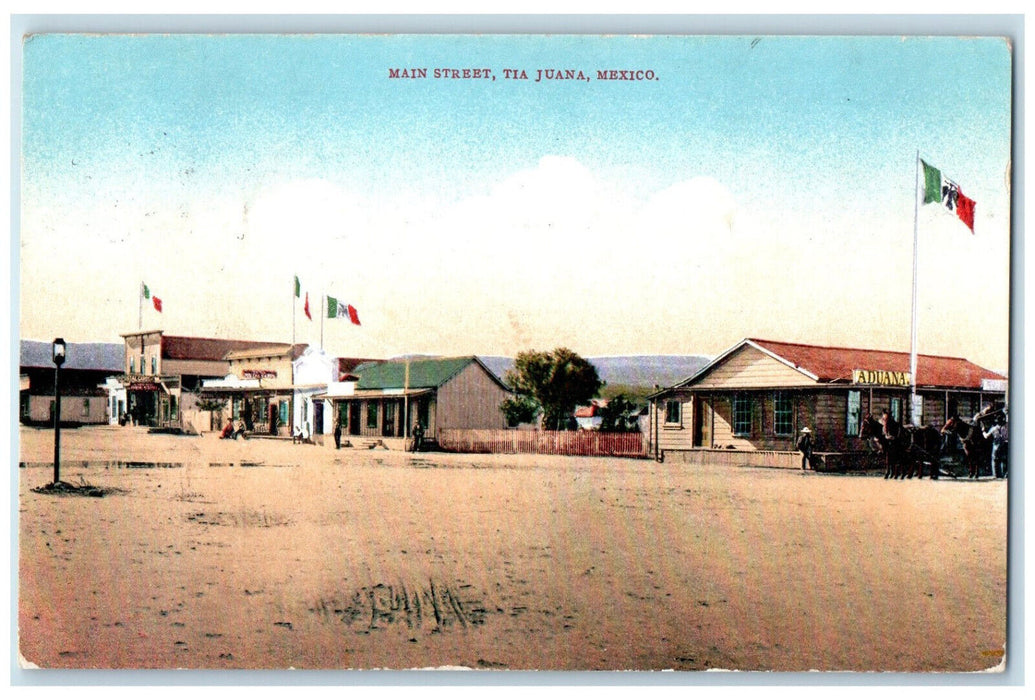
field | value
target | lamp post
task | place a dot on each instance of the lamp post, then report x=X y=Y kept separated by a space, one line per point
x=58 y=354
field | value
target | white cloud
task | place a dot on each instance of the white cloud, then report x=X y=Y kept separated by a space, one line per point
x=553 y=254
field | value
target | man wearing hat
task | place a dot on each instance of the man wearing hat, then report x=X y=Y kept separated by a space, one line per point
x=804 y=446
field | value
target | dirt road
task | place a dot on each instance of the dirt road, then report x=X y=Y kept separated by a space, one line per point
x=267 y=555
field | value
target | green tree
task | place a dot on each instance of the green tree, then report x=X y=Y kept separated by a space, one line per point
x=618 y=416
x=520 y=409
x=554 y=383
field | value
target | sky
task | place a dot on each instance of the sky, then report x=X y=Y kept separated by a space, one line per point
x=753 y=186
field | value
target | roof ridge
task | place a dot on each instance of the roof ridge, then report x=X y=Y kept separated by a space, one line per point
x=855 y=349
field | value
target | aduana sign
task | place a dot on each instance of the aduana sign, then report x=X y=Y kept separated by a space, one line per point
x=880 y=377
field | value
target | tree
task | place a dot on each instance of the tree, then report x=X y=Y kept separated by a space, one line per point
x=618 y=416
x=553 y=383
x=520 y=409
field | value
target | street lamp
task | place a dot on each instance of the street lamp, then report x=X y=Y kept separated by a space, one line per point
x=58 y=354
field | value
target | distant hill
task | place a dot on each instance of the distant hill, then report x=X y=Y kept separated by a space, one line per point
x=627 y=370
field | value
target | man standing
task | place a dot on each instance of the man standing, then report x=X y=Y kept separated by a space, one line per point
x=418 y=436
x=804 y=446
x=999 y=435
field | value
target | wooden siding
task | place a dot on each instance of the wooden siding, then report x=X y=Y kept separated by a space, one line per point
x=751 y=368
x=142 y=355
x=823 y=412
x=470 y=400
x=71 y=409
x=675 y=436
x=281 y=364
x=201 y=368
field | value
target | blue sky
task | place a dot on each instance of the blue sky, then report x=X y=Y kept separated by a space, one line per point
x=759 y=187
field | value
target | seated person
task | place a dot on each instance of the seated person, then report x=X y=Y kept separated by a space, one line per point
x=228 y=430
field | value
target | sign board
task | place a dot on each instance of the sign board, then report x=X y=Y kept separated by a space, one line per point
x=881 y=377
x=258 y=374
x=994 y=385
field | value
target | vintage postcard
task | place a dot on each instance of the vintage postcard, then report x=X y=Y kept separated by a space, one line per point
x=506 y=352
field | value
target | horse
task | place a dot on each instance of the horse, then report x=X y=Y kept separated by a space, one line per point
x=895 y=450
x=925 y=444
x=977 y=450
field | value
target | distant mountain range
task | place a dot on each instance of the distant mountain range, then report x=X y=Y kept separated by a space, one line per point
x=632 y=370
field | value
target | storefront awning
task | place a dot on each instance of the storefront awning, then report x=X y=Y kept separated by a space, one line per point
x=245 y=391
x=373 y=394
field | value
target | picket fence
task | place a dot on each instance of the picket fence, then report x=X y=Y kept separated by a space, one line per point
x=547 y=442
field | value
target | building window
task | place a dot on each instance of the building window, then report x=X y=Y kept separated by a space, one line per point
x=783 y=414
x=741 y=414
x=916 y=413
x=86 y=408
x=25 y=403
x=371 y=414
x=853 y=412
x=673 y=412
x=895 y=406
x=154 y=365
x=284 y=405
x=132 y=365
x=388 y=423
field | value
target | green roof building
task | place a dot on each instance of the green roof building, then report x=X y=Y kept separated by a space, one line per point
x=388 y=399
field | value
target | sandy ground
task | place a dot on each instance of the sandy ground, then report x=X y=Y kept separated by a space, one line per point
x=266 y=555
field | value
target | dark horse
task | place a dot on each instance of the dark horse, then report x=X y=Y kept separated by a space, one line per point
x=905 y=454
x=895 y=450
x=925 y=447
x=977 y=450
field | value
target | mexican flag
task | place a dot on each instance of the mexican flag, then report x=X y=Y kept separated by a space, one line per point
x=940 y=189
x=337 y=309
x=146 y=294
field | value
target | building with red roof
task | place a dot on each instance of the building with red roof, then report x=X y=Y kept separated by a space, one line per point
x=759 y=394
x=161 y=371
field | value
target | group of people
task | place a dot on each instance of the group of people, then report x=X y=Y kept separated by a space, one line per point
x=998 y=433
x=418 y=435
x=232 y=430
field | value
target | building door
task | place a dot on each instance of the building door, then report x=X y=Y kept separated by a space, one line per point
x=388 y=411
x=423 y=415
x=318 y=418
x=353 y=417
x=702 y=424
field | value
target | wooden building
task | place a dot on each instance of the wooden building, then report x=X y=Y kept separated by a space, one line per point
x=759 y=394
x=259 y=386
x=163 y=374
x=84 y=400
x=386 y=399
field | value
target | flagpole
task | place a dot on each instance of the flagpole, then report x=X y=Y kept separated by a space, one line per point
x=323 y=302
x=913 y=336
x=140 y=307
x=294 y=294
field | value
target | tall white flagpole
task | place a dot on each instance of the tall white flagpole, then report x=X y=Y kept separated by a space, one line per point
x=294 y=295
x=913 y=418
x=140 y=307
